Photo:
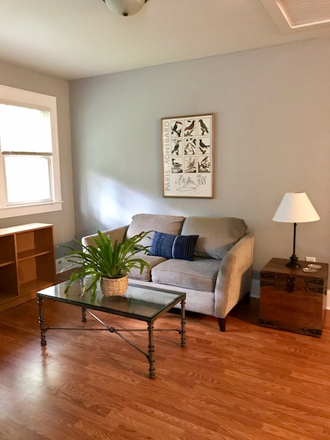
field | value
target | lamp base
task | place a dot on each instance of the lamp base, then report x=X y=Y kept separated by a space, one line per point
x=293 y=263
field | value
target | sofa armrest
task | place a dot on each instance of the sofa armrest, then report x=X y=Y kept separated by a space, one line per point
x=235 y=276
x=118 y=234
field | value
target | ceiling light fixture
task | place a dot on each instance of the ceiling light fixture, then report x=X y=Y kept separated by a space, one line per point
x=125 y=7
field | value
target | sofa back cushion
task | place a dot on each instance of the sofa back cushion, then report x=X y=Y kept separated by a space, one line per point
x=154 y=222
x=216 y=235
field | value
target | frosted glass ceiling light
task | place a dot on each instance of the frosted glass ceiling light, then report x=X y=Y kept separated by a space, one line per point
x=125 y=7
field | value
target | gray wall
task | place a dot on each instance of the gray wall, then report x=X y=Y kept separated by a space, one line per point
x=272 y=126
x=26 y=79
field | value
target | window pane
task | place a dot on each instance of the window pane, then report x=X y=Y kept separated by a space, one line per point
x=25 y=129
x=33 y=183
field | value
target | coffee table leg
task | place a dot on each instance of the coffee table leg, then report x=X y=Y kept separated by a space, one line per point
x=183 y=323
x=151 y=350
x=41 y=322
x=83 y=314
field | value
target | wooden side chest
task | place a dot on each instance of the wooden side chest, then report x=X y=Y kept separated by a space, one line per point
x=291 y=299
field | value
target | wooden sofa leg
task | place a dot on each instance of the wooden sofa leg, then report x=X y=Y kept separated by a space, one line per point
x=222 y=324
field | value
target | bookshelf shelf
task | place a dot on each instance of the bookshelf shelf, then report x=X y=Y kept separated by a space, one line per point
x=27 y=262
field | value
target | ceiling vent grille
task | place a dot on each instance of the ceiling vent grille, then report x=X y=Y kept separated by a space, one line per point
x=303 y=13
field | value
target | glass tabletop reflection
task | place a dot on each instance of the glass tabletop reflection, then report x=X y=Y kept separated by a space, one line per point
x=139 y=302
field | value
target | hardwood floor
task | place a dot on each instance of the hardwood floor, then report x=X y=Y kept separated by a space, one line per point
x=247 y=383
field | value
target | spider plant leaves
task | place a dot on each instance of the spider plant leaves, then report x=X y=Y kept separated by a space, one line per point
x=105 y=258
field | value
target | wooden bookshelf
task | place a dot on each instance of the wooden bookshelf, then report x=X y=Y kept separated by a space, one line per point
x=27 y=262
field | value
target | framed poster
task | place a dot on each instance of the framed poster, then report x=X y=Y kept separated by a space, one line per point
x=187 y=153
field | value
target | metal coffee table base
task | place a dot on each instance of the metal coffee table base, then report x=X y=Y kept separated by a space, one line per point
x=150 y=329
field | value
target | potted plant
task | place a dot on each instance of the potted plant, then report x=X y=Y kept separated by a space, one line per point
x=108 y=262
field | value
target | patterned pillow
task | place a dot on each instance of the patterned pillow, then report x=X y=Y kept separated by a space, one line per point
x=168 y=246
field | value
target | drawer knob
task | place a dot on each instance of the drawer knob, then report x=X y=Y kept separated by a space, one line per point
x=290 y=284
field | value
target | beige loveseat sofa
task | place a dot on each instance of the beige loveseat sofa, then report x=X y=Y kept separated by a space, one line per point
x=215 y=271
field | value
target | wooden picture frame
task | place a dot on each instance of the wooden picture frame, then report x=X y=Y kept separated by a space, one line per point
x=187 y=155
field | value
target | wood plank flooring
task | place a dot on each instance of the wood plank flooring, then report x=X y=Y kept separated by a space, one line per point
x=247 y=383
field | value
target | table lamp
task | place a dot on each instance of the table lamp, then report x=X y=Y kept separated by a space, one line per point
x=295 y=208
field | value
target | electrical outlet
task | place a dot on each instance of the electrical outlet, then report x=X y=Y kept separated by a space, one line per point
x=311 y=259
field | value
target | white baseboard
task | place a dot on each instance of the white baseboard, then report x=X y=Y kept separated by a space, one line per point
x=255 y=292
x=255 y=289
x=61 y=265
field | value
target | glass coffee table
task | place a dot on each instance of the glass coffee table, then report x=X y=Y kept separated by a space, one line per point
x=139 y=302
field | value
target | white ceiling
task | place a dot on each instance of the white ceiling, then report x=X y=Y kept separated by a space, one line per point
x=80 y=38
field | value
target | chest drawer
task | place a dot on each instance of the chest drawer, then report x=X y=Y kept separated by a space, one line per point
x=290 y=283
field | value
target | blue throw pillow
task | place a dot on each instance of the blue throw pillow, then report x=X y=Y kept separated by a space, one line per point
x=173 y=246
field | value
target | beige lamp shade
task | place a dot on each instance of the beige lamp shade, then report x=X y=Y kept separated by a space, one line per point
x=296 y=208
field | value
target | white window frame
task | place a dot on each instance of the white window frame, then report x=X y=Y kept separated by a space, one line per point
x=12 y=96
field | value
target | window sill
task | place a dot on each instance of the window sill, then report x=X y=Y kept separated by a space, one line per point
x=39 y=208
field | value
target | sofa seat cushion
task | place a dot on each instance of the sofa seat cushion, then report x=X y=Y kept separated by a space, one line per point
x=200 y=274
x=153 y=222
x=146 y=273
x=217 y=235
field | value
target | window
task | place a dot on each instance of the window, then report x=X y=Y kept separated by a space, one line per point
x=29 y=156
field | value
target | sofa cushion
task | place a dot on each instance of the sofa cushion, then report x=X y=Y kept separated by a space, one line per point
x=200 y=274
x=153 y=222
x=173 y=246
x=146 y=273
x=216 y=235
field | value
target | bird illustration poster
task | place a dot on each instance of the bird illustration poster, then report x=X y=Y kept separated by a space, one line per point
x=187 y=152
